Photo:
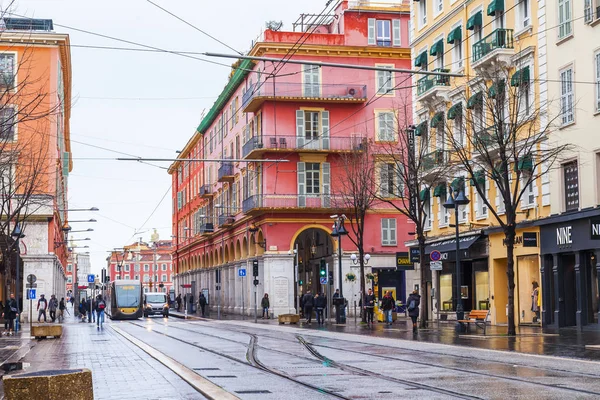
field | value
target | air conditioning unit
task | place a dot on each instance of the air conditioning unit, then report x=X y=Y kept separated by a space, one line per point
x=352 y=92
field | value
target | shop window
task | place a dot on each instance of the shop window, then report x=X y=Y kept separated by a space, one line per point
x=446 y=292
x=528 y=272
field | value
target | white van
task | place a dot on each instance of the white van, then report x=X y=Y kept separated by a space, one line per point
x=156 y=303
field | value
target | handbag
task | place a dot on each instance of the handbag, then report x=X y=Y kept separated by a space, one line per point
x=14 y=309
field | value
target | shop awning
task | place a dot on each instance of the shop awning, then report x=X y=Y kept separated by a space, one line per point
x=421 y=129
x=475 y=100
x=520 y=77
x=445 y=246
x=437 y=48
x=424 y=194
x=495 y=6
x=454 y=111
x=421 y=59
x=455 y=34
x=475 y=20
x=437 y=119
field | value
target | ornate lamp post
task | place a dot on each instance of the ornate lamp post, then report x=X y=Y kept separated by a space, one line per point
x=338 y=231
x=17 y=234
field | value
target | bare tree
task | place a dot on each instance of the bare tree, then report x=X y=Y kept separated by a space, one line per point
x=353 y=193
x=408 y=168
x=500 y=135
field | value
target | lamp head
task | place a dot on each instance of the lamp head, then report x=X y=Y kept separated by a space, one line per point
x=449 y=204
x=353 y=257
x=17 y=233
x=461 y=199
x=367 y=256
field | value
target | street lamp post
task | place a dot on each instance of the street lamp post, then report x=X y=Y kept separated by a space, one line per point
x=456 y=199
x=338 y=231
x=18 y=235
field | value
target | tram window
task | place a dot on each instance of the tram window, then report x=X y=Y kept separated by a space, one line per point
x=128 y=295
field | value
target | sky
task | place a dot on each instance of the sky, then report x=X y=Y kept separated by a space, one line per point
x=142 y=104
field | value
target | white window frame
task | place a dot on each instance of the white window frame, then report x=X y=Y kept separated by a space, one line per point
x=163 y=278
x=422 y=13
x=588 y=11
x=69 y=279
x=69 y=267
x=443 y=213
x=389 y=231
x=13 y=134
x=126 y=277
x=597 y=86
x=438 y=7
x=481 y=209
x=529 y=193
x=316 y=189
x=126 y=267
x=380 y=39
x=567 y=96
x=164 y=267
x=457 y=50
x=523 y=12
x=500 y=206
x=438 y=62
x=146 y=267
x=387 y=134
x=7 y=55
x=525 y=92
x=565 y=19
x=428 y=210
x=385 y=80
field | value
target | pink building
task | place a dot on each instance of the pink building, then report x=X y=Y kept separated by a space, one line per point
x=227 y=214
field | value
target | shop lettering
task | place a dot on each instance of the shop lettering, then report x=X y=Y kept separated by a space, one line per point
x=563 y=236
x=518 y=240
x=444 y=256
x=595 y=230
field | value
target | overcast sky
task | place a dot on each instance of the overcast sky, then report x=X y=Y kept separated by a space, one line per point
x=142 y=103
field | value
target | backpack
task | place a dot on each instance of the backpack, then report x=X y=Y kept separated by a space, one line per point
x=412 y=305
x=101 y=305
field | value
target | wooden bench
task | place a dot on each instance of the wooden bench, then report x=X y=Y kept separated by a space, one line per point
x=477 y=317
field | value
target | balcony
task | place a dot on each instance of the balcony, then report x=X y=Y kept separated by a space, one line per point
x=257 y=146
x=206 y=191
x=206 y=228
x=257 y=94
x=496 y=48
x=226 y=220
x=225 y=173
x=291 y=202
x=430 y=87
x=432 y=162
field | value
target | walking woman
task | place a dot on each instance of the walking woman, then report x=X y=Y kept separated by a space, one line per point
x=11 y=312
x=413 y=302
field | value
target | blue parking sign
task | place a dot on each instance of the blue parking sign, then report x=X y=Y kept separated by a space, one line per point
x=31 y=294
x=242 y=272
x=91 y=278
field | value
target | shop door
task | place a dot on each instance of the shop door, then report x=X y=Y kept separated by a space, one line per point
x=570 y=293
x=528 y=272
x=593 y=290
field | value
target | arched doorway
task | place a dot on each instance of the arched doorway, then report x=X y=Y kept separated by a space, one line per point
x=315 y=247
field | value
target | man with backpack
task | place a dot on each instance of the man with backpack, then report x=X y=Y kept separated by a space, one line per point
x=370 y=306
x=413 y=302
x=100 y=306
x=42 y=305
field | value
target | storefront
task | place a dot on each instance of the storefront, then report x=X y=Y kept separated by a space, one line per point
x=474 y=279
x=528 y=301
x=392 y=279
x=570 y=247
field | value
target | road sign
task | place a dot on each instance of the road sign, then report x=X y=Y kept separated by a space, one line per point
x=242 y=272
x=31 y=294
x=31 y=278
x=91 y=278
x=30 y=285
x=435 y=265
x=323 y=280
x=435 y=255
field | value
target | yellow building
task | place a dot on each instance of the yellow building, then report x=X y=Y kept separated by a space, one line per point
x=494 y=45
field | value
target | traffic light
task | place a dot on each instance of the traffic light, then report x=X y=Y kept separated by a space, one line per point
x=254 y=267
x=300 y=282
x=331 y=277
x=322 y=271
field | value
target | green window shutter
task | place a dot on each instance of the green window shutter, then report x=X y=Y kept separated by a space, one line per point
x=458 y=184
x=326 y=177
x=478 y=178
x=475 y=100
x=325 y=129
x=475 y=20
x=300 y=129
x=421 y=60
x=520 y=77
x=437 y=119
x=424 y=194
x=437 y=48
x=454 y=111
x=65 y=163
x=525 y=163
x=496 y=88
x=495 y=6
x=440 y=190
x=396 y=38
x=371 y=33
x=455 y=35
x=301 y=168
x=421 y=129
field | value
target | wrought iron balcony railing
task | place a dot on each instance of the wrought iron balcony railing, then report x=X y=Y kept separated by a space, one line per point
x=288 y=142
x=428 y=82
x=291 y=201
x=499 y=39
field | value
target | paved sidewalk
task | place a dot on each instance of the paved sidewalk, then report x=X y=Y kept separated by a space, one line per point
x=565 y=342
x=119 y=369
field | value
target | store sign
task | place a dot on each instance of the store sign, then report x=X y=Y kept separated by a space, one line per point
x=564 y=236
x=530 y=239
x=415 y=255
x=595 y=228
x=403 y=261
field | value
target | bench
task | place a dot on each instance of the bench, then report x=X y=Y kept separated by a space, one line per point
x=477 y=317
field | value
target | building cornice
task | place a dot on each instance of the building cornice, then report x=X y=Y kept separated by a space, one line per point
x=263 y=48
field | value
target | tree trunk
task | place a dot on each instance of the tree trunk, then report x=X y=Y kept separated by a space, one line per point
x=510 y=232
x=424 y=305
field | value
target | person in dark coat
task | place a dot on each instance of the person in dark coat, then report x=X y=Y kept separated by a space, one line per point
x=412 y=305
x=202 y=302
x=370 y=306
x=9 y=314
x=320 y=305
x=264 y=304
x=308 y=301
x=178 y=301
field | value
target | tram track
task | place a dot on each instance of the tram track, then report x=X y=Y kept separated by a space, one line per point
x=311 y=348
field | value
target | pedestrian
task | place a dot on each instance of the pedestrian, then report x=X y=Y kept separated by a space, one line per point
x=308 y=306
x=413 y=302
x=369 y=306
x=52 y=306
x=178 y=300
x=82 y=309
x=202 y=302
x=320 y=305
x=42 y=305
x=264 y=304
x=61 y=310
x=387 y=305
x=535 y=301
x=100 y=306
x=92 y=308
x=9 y=314
x=72 y=301
x=336 y=294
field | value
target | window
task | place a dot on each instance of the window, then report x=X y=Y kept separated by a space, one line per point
x=313 y=185
x=69 y=279
x=524 y=14
x=385 y=128
x=477 y=33
x=459 y=129
x=312 y=78
x=428 y=212
x=500 y=206
x=69 y=267
x=481 y=210
x=566 y=96
x=385 y=81
x=8 y=121
x=457 y=54
x=163 y=278
x=311 y=125
x=439 y=6
x=443 y=213
x=126 y=267
x=146 y=268
x=588 y=11
x=597 y=62
x=388 y=232
x=571 y=182
x=422 y=13
x=564 y=18
x=126 y=276
x=439 y=137
x=7 y=70
x=137 y=268
x=137 y=277
x=528 y=197
x=390 y=180
x=164 y=267
x=384 y=34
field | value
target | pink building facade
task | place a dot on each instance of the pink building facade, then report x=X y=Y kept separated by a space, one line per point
x=229 y=213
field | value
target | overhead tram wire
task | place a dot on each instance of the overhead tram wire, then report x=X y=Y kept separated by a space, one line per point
x=194 y=27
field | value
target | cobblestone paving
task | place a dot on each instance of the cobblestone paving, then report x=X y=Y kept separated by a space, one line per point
x=119 y=369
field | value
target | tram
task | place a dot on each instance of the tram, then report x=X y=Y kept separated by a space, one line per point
x=124 y=299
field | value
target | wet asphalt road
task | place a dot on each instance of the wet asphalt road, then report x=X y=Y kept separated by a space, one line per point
x=274 y=362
